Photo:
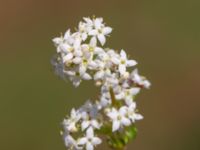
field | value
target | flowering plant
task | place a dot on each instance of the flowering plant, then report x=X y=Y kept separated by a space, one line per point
x=82 y=56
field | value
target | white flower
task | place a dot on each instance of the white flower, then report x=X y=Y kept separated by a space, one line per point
x=70 y=142
x=76 y=77
x=64 y=44
x=83 y=30
x=92 y=47
x=127 y=94
x=89 y=140
x=88 y=21
x=100 y=31
x=89 y=121
x=60 y=40
x=105 y=100
x=118 y=118
x=131 y=112
x=140 y=80
x=102 y=72
x=123 y=62
x=70 y=124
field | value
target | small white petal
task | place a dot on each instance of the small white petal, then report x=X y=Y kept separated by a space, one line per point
x=123 y=111
x=90 y=132
x=65 y=47
x=126 y=121
x=88 y=21
x=86 y=76
x=92 y=65
x=93 y=42
x=98 y=50
x=115 y=60
x=87 y=55
x=101 y=39
x=77 y=43
x=58 y=49
x=122 y=69
x=98 y=75
x=133 y=106
x=120 y=96
x=146 y=84
x=113 y=114
x=123 y=54
x=82 y=141
x=76 y=83
x=95 y=124
x=129 y=101
x=68 y=57
x=84 y=36
x=73 y=112
x=78 y=53
x=69 y=140
x=77 y=60
x=96 y=141
x=107 y=30
x=98 y=23
x=89 y=146
x=57 y=40
x=131 y=63
x=70 y=73
x=84 y=125
x=116 y=126
x=93 y=32
x=134 y=91
x=67 y=35
x=84 y=47
x=138 y=117
x=82 y=69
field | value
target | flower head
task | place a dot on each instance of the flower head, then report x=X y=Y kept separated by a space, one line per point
x=81 y=56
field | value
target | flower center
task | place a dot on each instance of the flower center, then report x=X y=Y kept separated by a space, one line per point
x=123 y=61
x=85 y=61
x=91 y=49
x=90 y=140
x=119 y=117
x=77 y=74
x=100 y=31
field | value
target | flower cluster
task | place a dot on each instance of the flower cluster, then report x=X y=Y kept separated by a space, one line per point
x=82 y=56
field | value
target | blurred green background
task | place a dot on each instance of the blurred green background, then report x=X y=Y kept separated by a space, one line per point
x=163 y=36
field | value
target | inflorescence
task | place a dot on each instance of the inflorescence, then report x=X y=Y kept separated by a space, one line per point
x=82 y=56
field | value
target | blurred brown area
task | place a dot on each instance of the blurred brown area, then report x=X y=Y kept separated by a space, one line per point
x=163 y=36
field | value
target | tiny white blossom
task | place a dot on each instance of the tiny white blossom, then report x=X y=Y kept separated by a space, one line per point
x=105 y=99
x=89 y=121
x=128 y=94
x=123 y=62
x=100 y=30
x=131 y=112
x=76 y=77
x=70 y=123
x=89 y=140
x=118 y=118
x=69 y=142
x=140 y=80
x=83 y=29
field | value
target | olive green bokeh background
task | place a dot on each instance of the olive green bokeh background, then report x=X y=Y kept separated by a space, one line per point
x=163 y=36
